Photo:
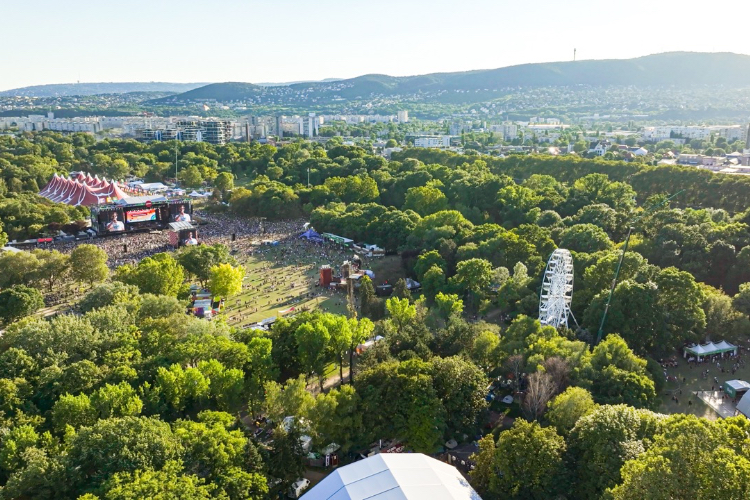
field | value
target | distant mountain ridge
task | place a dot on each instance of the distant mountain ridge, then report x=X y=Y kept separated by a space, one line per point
x=86 y=89
x=671 y=68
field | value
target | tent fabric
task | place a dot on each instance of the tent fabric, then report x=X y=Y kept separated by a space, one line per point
x=311 y=234
x=82 y=189
x=744 y=405
x=710 y=349
x=394 y=476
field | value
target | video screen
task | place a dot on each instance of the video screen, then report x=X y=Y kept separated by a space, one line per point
x=111 y=221
x=143 y=215
x=181 y=212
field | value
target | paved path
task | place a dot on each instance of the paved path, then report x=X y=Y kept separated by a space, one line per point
x=723 y=406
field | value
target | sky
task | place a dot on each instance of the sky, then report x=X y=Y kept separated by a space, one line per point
x=63 y=41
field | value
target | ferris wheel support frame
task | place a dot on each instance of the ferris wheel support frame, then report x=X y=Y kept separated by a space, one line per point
x=556 y=294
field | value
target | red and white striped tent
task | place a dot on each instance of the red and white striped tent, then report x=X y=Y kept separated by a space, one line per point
x=82 y=189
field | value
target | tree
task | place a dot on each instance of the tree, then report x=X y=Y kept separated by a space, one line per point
x=109 y=294
x=401 y=290
x=118 y=400
x=224 y=182
x=88 y=264
x=473 y=276
x=426 y=261
x=540 y=387
x=225 y=280
x=484 y=350
x=619 y=376
x=690 y=458
x=190 y=177
x=167 y=483
x=370 y=305
x=53 y=266
x=340 y=339
x=199 y=259
x=741 y=301
x=287 y=462
x=336 y=417
x=449 y=304
x=602 y=441
x=433 y=282
x=18 y=302
x=291 y=399
x=117 y=445
x=586 y=238
x=425 y=200
x=19 y=268
x=565 y=410
x=530 y=458
x=312 y=341
x=461 y=387
x=75 y=411
x=401 y=312
x=159 y=275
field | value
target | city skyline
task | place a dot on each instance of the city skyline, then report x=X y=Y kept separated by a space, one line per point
x=256 y=41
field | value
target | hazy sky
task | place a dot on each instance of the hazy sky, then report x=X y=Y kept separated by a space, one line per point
x=60 y=41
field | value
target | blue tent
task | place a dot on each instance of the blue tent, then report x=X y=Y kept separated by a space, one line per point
x=311 y=235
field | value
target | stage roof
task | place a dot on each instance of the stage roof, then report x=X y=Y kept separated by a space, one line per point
x=394 y=476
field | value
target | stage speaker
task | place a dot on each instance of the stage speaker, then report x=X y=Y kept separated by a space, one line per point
x=234 y=236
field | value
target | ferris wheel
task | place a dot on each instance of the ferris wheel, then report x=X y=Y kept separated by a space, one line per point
x=557 y=290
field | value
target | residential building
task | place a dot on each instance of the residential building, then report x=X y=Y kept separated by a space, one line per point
x=403 y=116
x=599 y=148
x=433 y=141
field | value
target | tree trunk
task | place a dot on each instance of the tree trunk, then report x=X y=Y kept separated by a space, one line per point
x=351 y=366
x=341 y=369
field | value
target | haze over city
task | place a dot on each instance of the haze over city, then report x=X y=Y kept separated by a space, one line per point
x=264 y=41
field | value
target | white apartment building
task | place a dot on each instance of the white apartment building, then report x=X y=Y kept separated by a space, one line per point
x=403 y=116
x=730 y=132
x=433 y=141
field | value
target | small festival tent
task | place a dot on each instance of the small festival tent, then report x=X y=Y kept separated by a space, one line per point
x=311 y=235
x=735 y=387
x=743 y=406
x=710 y=349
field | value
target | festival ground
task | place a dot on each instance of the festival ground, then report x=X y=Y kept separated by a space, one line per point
x=688 y=381
x=285 y=276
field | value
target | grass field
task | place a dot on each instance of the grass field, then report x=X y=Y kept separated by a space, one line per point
x=276 y=281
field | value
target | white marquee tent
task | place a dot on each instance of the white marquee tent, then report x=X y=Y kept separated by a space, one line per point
x=743 y=407
x=394 y=476
x=710 y=349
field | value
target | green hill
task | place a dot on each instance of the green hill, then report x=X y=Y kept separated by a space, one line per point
x=667 y=69
x=85 y=89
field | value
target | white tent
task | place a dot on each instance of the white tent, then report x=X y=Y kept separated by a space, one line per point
x=710 y=349
x=743 y=406
x=394 y=476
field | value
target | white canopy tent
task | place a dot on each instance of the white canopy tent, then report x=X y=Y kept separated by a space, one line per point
x=743 y=407
x=394 y=476
x=710 y=349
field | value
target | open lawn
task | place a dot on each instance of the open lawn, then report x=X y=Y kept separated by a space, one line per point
x=689 y=381
x=285 y=276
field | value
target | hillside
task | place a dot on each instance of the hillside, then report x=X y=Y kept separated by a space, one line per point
x=85 y=89
x=667 y=69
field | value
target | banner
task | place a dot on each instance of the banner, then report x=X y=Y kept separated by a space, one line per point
x=145 y=215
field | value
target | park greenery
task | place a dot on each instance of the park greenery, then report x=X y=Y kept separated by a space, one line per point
x=130 y=397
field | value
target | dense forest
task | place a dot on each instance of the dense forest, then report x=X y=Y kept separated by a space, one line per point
x=131 y=398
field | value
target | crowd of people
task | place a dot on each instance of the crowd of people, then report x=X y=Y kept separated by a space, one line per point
x=265 y=288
